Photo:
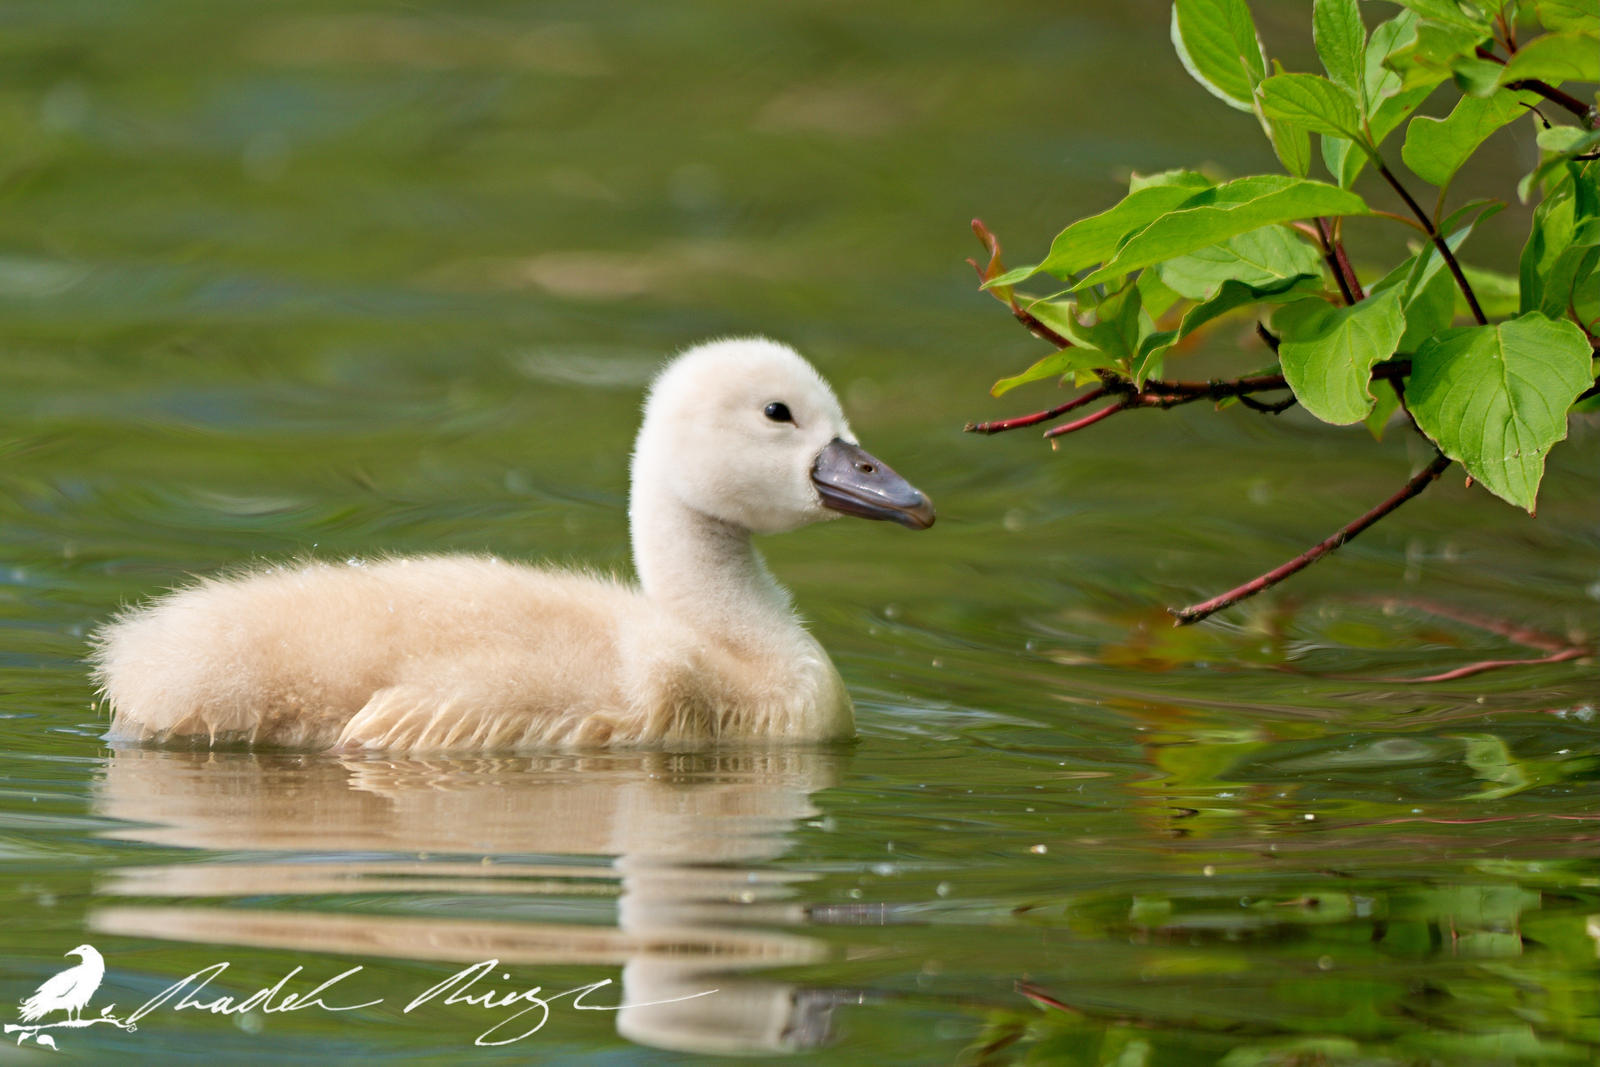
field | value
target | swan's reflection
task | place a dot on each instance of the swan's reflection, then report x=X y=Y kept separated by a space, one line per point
x=681 y=837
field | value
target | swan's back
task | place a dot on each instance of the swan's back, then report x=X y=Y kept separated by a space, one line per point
x=292 y=655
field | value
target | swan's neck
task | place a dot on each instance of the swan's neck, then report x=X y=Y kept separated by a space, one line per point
x=707 y=572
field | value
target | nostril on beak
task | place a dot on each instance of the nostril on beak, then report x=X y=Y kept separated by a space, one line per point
x=865 y=468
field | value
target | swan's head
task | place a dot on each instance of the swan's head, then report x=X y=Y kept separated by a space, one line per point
x=746 y=431
x=86 y=951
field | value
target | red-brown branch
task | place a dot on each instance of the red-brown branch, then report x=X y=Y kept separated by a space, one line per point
x=1419 y=482
x=1339 y=262
x=1436 y=237
x=1588 y=114
x=1088 y=420
x=1163 y=394
x=1017 y=423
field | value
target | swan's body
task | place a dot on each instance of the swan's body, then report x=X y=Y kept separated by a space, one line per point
x=68 y=991
x=471 y=653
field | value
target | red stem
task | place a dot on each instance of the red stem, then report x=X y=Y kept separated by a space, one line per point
x=1436 y=237
x=1087 y=420
x=1001 y=425
x=1587 y=113
x=1419 y=482
x=1339 y=262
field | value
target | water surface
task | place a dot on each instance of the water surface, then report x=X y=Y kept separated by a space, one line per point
x=341 y=280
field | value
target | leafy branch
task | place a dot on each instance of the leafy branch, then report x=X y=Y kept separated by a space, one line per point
x=1182 y=250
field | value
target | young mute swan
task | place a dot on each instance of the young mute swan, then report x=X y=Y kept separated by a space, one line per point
x=466 y=653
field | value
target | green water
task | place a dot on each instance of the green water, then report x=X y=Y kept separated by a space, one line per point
x=307 y=279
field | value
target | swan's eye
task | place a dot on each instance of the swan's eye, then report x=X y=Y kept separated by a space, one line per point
x=778 y=412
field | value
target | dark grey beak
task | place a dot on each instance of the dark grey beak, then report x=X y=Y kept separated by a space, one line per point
x=853 y=482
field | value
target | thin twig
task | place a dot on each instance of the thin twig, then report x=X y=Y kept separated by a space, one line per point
x=1002 y=425
x=1438 y=241
x=1222 y=389
x=1037 y=328
x=1338 y=262
x=1268 y=409
x=1163 y=394
x=1587 y=113
x=994 y=269
x=1419 y=482
x=1268 y=338
x=1396 y=217
x=1087 y=420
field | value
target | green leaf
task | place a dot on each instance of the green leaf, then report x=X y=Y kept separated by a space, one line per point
x=1379 y=81
x=1581 y=15
x=1388 y=99
x=1498 y=294
x=1551 y=232
x=1436 y=148
x=1179 y=177
x=1235 y=294
x=1386 y=403
x=1155 y=295
x=1555 y=58
x=1565 y=139
x=1341 y=41
x=1313 y=102
x=1290 y=141
x=1062 y=317
x=1343 y=160
x=1448 y=12
x=1217 y=44
x=1427 y=291
x=1328 y=353
x=1055 y=365
x=1565 y=225
x=1429 y=305
x=1586 y=298
x=1114 y=329
x=1567 y=142
x=1428 y=57
x=1476 y=76
x=1572 y=263
x=1495 y=398
x=1389 y=114
x=1257 y=258
x=1224 y=211
x=1094 y=239
x=1119 y=327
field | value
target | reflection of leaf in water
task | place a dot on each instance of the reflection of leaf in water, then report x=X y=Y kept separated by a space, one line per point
x=1492 y=761
x=1152 y=643
x=1363 y=941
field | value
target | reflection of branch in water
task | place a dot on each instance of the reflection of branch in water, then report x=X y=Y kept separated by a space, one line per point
x=684 y=830
x=1555 y=648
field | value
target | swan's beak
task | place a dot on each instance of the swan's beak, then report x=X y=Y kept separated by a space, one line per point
x=854 y=482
